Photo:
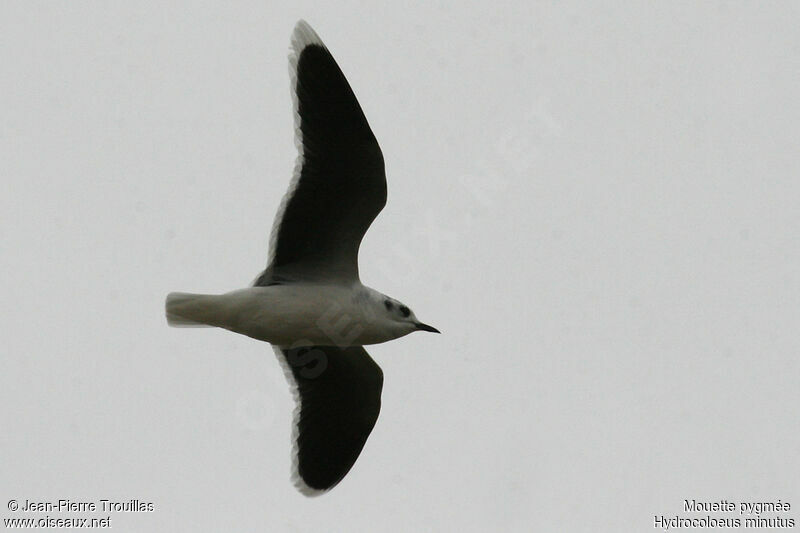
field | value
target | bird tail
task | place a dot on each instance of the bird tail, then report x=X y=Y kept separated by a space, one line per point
x=189 y=310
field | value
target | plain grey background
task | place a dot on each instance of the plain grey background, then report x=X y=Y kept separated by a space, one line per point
x=597 y=204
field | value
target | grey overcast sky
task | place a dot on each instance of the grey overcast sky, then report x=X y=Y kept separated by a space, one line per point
x=596 y=203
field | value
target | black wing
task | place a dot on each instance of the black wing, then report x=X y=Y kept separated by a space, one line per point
x=339 y=185
x=339 y=397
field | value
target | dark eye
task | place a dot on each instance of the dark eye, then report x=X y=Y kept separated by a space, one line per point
x=388 y=305
x=405 y=311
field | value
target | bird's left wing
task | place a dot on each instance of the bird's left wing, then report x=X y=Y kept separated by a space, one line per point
x=338 y=395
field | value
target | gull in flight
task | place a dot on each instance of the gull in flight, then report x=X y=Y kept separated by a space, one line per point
x=309 y=303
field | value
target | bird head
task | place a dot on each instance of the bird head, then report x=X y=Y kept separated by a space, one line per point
x=399 y=316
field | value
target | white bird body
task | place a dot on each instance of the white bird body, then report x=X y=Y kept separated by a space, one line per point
x=292 y=315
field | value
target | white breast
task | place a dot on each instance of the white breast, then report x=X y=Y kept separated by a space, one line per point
x=296 y=314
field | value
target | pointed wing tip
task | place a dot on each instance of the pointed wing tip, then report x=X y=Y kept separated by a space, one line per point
x=304 y=35
x=303 y=488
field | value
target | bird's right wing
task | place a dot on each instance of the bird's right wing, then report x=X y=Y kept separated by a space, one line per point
x=338 y=395
x=339 y=184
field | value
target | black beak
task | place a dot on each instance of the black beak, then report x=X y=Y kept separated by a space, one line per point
x=426 y=327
